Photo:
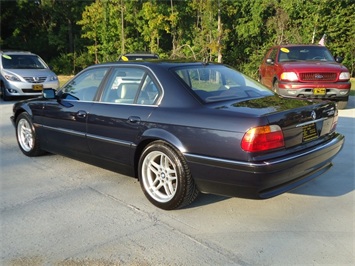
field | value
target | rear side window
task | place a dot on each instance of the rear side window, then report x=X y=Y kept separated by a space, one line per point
x=84 y=86
x=130 y=85
x=219 y=83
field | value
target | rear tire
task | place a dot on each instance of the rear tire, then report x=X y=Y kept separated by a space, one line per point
x=165 y=177
x=27 y=138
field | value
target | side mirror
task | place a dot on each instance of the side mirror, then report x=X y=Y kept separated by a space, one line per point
x=49 y=93
x=339 y=59
x=269 y=61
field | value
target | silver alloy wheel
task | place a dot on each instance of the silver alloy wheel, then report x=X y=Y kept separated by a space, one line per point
x=159 y=176
x=25 y=135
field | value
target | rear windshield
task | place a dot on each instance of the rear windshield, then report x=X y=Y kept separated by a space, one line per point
x=11 y=61
x=212 y=83
x=305 y=53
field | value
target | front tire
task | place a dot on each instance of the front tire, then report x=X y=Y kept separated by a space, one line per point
x=27 y=138
x=275 y=87
x=165 y=177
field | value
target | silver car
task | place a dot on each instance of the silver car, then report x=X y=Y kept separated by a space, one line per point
x=24 y=74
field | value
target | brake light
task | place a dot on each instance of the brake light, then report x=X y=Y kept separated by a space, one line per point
x=263 y=138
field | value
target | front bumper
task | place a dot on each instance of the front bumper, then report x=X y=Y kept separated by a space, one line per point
x=262 y=179
x=26 y=89
x=335 y=91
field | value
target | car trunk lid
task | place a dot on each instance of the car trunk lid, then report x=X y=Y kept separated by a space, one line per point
x=301 y=121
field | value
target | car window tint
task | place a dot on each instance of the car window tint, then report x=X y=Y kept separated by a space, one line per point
x=218 y=83
x=305 y=53
x=149 y=93
x=272 y=54
x=84 y=86
x=130 y=86
x=13 y=61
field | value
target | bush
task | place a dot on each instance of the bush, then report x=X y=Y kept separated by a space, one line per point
x=69 y=64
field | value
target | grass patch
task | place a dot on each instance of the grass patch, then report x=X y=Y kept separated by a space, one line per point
x=63 y=79
x=352 y=91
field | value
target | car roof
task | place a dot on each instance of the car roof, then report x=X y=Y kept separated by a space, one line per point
x=141 y=54
x=298 y=45
x=156 y=64
x=163 y=63
x=14 y=52
x=137 y=56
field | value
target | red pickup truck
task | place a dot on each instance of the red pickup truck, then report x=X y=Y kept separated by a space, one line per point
x=305 y=71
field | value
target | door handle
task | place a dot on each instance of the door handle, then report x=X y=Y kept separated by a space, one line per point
x=134 y=119
x=81 y=114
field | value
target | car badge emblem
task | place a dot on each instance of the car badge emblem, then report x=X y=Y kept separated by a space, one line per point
x=35 y=79
x=318 y=76
x=313 y=115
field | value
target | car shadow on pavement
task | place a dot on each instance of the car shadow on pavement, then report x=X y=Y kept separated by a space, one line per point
x=328 y=185
x=206 y=199
x=351 y=103
x=340 y=179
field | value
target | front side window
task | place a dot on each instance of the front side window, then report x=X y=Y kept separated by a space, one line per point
x=130 y=85
x=84 y=86
x=272 y=54
x=218 y=83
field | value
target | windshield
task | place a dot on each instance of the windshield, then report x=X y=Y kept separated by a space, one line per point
x=26 y=61
x=212 y=83
x=305 y=53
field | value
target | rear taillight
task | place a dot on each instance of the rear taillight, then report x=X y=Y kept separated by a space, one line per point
x=263 y=138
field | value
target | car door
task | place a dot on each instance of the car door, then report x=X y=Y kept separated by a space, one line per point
x=268 y=69
x=64 y=119
x=116 y=122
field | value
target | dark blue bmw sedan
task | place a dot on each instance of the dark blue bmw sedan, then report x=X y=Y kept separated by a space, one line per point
x=181 y=129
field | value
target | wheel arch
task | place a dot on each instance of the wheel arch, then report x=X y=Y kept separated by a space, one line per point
x=155 y=134
x=274 y=79
x=21 y=110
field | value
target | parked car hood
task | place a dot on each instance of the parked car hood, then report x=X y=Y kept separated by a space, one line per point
x=31 y=72
x=313 y=66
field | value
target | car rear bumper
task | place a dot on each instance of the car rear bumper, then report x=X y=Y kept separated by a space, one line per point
x=262 y=179
x=338 y=91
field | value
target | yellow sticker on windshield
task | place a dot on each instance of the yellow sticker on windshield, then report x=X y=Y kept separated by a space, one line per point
x=124 y=58
x=285 y=50
x=6 y=56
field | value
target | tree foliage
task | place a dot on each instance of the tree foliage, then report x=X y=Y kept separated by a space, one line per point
x=74 y=34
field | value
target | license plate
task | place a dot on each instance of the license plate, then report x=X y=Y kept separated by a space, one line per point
x=319 y=91
x=37 y=87
x=309 y=132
